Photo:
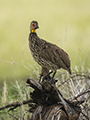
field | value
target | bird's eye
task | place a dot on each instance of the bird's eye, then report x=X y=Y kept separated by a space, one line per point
x=34 y=25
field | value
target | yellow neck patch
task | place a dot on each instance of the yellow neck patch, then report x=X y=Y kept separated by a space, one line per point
x=33 y=30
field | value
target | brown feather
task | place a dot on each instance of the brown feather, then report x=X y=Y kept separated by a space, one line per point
x=48 y=55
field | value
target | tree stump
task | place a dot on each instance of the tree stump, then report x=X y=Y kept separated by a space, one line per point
x=49 y=104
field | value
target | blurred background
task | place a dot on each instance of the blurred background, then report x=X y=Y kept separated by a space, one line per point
x=64 y=23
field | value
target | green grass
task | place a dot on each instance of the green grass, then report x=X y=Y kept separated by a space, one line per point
x=18 y=91
x=65 y=23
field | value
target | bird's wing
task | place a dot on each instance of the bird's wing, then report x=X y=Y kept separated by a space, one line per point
x=61 y=54
x=47 y=52
x=56 y=55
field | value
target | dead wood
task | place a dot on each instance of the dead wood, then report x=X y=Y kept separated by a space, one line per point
x=50 y=103
x=47 y=103
x=16 y=104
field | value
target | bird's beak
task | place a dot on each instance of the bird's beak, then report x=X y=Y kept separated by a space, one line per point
x=37 y=27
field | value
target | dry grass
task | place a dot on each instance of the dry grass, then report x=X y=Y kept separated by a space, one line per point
x=70 y=87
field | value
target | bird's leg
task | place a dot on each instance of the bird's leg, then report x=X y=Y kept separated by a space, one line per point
x=54 y=74
x=52 y=80
x=43 y=74
x=40 y=77
x=49 y=78
x=47 y=75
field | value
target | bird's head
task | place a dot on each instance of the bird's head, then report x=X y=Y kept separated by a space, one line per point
x=33 y=26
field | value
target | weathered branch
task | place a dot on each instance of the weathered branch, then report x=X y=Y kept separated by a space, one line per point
x=16 y=104
x=34 y=84
x=46 y=102
x=82 y=93
x=52 y=96
x=76 y=75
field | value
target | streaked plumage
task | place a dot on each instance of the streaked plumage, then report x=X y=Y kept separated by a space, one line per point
x=46 y=54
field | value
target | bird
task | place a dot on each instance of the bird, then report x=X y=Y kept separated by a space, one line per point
x=48 y=55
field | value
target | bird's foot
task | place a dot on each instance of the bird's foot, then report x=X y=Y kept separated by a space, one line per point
x=47 y=76
x=52 y=80
x=53 y=74
x=40 y=78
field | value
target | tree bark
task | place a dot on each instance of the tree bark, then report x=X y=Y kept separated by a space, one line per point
x=49 y=103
